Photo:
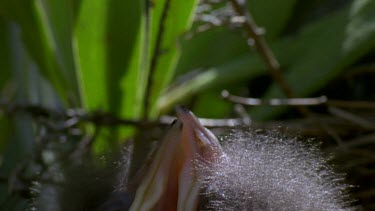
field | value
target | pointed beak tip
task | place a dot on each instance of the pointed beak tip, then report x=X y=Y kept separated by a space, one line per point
x=184 y=114
x=180 y=109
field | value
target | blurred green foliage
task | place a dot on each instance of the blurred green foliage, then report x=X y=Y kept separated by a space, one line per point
x=136 y=60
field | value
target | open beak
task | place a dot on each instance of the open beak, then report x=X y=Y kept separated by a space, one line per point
x=171 y=182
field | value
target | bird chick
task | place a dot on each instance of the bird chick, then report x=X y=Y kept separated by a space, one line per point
x=192 y=171
x=265 y=171
x=250 y=171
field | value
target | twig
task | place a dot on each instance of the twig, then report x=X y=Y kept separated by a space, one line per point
x=356 y=142
x=207 y=122
x=275 y=101
x=108 y=119
x=35 y=110
x=352 y=118
x=322 y=100
x=241 y=111
x=351 y=104
x=72 y=117
x=311 y=101
x=256 y=34
x=261 y=45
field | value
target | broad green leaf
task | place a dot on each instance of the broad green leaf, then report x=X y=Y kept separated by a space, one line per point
x=239 y=69
x=110 y=51
x=228 y=74
x=128 y=53
x=108 y=46
x=220 y=45
x=360 y=31
x=218 y=108
x=271 y=15
x=39 y=41
x=319 y=54
x=178 y=19
x=58 y=20
x=90 y=54
x=218 y=51
x=211 y=48
x=90 y=45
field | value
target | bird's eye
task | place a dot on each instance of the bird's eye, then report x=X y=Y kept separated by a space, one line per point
x=176 y=124
x=173 y=122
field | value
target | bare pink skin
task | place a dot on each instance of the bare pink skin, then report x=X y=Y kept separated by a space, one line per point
x=171 y=182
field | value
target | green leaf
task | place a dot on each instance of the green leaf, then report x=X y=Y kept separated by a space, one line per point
x=111 y=53
x=128 y=56
x=210 y=59
x=236 y=70
x=360 y=31
x=220 y=48
x=90 y=54
x=109 y=38
x=38 y=37
x=211 y=48
x=218 y=108
x=58 y=19
x=178 y=19
x=320 y=55
x=280 y=12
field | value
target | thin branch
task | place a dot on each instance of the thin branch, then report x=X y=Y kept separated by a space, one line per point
x=241 y=111
x=352 y=118
x=275 y=101
x=311 y=101
x=256 y=34
x=356 y=142
x=72 y=117
x=208 y=122
x=352 y=104
x=315 y=101
x=108 y=119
